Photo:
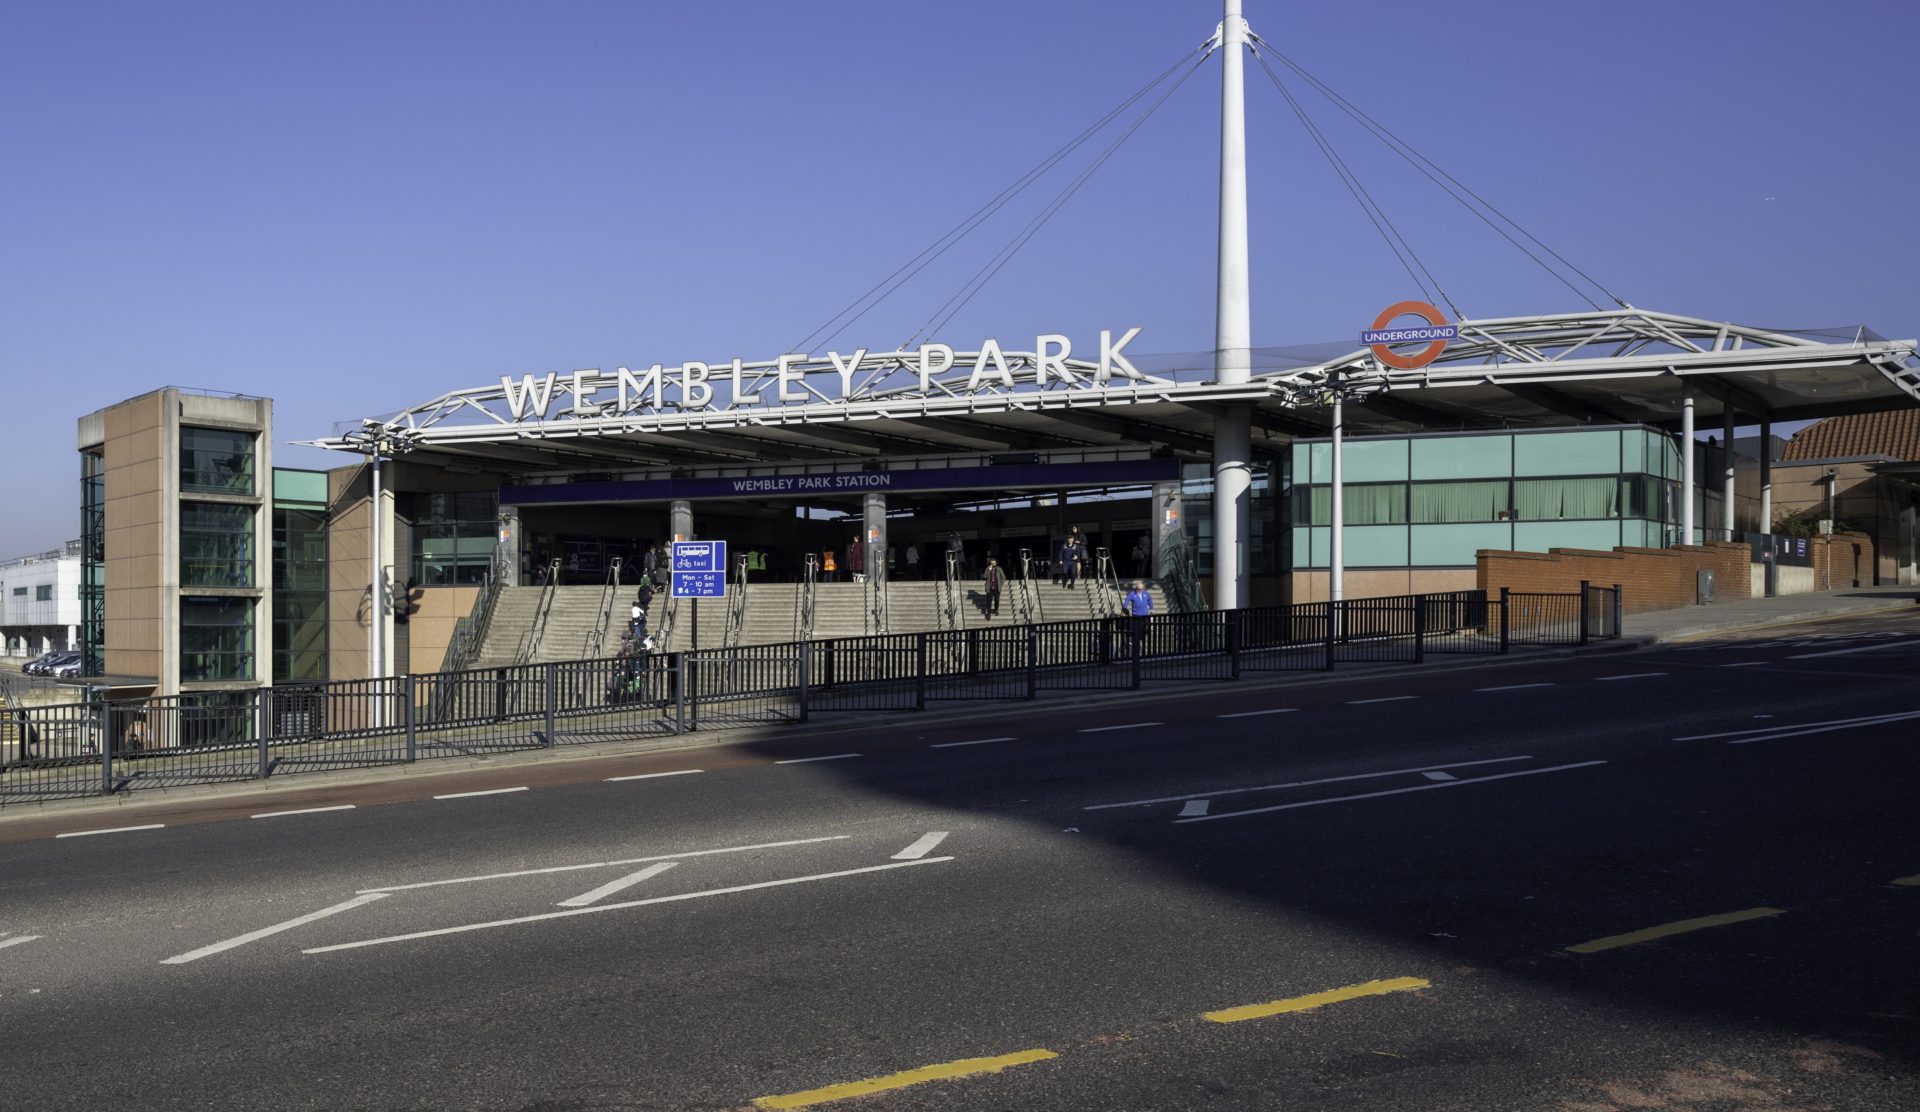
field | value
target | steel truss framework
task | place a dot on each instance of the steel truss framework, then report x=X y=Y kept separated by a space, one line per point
x=1621 y=366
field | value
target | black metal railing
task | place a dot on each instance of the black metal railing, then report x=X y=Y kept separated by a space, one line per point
x=119 y=747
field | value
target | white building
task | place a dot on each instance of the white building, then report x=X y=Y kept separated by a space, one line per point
x=40 y=602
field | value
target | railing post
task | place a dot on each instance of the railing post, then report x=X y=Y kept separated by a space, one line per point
x=107 y=724
x=973 y=652
x=677 y=669
x=1586 y=593
x=801 y=649
x=1135 y=650
x=262 y=724
x=552 y=684
x=1033 y=662
x=1233 y=619
x=413 y=725
x=920 y=671
x=1506 y=620
x=1419 y=629
x=1617 y=631
x=1327 y=633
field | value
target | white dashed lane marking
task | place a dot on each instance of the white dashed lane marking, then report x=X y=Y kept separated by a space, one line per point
x=958 y=744
x=489 y=791
x=1122 y=726
x=808 y=760
x=1513 y=687
x=654 y=775
x=112 y=830
x=303 y=811
x=1388 y=699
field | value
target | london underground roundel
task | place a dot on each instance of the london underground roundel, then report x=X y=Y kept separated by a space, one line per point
x=1434 y=331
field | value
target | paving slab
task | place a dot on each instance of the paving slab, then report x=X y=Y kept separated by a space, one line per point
x=1730 y=615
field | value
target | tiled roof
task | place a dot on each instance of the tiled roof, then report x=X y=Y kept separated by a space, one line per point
x=1892 y=432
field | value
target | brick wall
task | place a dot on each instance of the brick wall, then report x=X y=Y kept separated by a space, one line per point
x=1650 y=578
x=1834 y=563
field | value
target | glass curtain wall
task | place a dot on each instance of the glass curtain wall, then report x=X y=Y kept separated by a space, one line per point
x=216 y=638
x=93 y=563
x=299 y=576
x=216 y=461
x=454 y=537
x=1435 y=501
x=216 y=545
x=1267 y=529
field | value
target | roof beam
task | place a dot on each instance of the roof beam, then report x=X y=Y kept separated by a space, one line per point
x=989 y=434
x=1135 y=432
x=1565 y=405
x=1400 y=409
x=1739 y=397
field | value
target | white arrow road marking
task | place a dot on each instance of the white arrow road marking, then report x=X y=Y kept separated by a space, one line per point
x=627 y=904
x=612 y=886
x=922 y=847
x=1395 y=791
x=604 y=864
x=1195 y=807
x=255 y=936
x=6 y=942
x=1301 y=783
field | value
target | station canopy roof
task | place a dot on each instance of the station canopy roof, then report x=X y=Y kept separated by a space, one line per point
x=1626 y=366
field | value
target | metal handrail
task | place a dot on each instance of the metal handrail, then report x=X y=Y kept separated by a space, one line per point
x=1106 y=581
x=952 y=616
x=609 y=595
x=736 y=604
x=530 y=643
x=1180 y=582
x=803 y=599
x=1027 y=602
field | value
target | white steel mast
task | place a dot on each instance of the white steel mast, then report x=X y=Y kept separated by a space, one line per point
x=1233 y=332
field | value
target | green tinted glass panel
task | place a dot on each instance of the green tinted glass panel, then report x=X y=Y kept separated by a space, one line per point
x=1455 y=546
x=1463 y=457
x=306 y=488
x=1567 y=453
x=1374 y=461
x=1377 y=546
x=216 y=639
x=216 y=545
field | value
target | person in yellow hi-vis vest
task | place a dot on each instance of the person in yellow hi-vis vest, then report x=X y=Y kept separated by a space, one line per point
x=827 y=566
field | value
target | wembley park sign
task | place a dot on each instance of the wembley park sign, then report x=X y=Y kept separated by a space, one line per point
x=799 y=378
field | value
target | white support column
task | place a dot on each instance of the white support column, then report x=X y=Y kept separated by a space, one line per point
x=377 y=580
x=874 y=556
x=1686 y=466
x=1766 y=475
x=1727 y=471
x=1233 y=332
x=680 y=521
x=1337 y=546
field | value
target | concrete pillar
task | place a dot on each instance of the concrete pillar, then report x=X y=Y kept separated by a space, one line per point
x=1337 y=515
x=1727 y=472
x=1167 y=526
x=73 y=638
x=875 y=557
x=1232 y=505
x=680 y=520
x=1687 y=485
x=1766 y=475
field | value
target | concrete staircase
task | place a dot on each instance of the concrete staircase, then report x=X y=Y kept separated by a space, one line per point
x=838 y=611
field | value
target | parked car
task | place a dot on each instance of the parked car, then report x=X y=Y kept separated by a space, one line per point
x=67 y=669
x=38 y=665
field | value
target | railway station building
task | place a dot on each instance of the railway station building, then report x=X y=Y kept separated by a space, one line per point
x=866 y=491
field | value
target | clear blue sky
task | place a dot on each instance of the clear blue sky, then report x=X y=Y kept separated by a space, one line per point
x=353 y=207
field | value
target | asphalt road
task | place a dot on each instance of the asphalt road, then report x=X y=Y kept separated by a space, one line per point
x=1680 y=879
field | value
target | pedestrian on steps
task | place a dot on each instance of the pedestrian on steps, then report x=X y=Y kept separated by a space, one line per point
x=992 y=582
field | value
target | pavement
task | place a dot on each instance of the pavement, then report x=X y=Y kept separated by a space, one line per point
x=1732 y=615
x=575 y=762
x=1678 y=878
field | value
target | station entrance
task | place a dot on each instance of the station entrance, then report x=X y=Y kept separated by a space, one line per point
x=901 y=524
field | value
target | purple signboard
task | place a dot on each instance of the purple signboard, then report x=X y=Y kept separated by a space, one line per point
x=1042 y=476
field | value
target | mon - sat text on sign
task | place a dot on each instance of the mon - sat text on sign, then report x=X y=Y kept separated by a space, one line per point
x=699 y=569
x=693 y=385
